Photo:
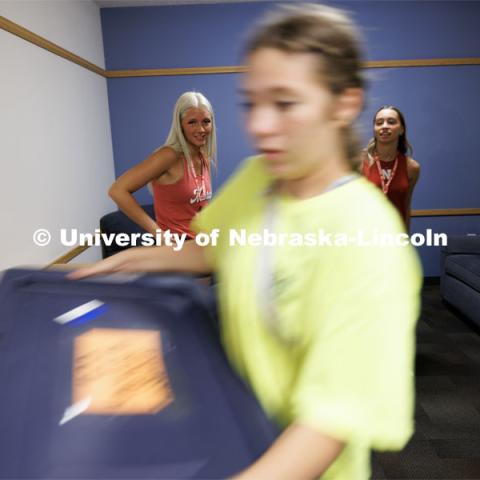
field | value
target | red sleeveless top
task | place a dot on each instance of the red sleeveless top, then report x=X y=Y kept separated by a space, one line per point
x=176 y=204
x=398 y=189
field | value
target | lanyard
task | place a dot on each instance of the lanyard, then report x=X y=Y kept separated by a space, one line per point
x=199 y=186
x=265 y=272
x=385 y=185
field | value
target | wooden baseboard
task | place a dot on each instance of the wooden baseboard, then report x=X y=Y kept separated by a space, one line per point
x=67 y=257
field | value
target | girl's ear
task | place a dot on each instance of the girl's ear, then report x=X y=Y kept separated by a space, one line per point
x=348 y=106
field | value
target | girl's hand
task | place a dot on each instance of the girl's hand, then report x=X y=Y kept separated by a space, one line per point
x=127 y=261
x=191 y=259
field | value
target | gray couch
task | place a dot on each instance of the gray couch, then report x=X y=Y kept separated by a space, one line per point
x=460 y=280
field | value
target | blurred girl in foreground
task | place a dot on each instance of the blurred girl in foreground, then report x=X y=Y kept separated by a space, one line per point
x=324 y=335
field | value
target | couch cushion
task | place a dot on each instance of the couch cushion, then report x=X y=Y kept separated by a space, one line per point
x=466 y=268
x=118 y=222
x=465 y=244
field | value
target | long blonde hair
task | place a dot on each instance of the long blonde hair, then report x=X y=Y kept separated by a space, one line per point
x=176 y=138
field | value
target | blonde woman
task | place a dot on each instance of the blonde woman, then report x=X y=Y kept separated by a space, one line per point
x=178 y=173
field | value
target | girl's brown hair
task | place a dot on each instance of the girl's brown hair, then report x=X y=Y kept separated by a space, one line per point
x=329 y=35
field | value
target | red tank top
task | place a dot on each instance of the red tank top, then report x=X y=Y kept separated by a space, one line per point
x=398 y=188
x=176 y=204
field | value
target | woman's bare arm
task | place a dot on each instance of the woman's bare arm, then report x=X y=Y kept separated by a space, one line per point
x=157 y=164
x=300 y=453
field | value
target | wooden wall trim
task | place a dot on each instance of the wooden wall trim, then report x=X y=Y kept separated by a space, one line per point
x=446 y=212
x=160 y=72
x=164 y=72
x=70 y=255
x=427 y=62
x=31 y=37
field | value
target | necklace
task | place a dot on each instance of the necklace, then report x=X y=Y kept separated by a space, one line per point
x=385 y=184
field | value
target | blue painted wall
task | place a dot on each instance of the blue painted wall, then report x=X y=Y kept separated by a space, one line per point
x=441 y=104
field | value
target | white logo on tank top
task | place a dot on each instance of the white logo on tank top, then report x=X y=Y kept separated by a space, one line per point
x=200 y=196
x=387 y=173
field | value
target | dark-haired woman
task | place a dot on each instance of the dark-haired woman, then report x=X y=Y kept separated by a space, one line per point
x=387 y=163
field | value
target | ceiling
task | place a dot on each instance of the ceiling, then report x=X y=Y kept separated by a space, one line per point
x=152 y=3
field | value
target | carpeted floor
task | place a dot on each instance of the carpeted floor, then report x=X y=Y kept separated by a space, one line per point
x=446 y=444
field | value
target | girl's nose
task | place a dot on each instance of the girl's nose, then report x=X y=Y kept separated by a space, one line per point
x=260 y=121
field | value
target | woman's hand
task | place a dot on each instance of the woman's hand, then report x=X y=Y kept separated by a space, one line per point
x=191 y=258
x=131 y=260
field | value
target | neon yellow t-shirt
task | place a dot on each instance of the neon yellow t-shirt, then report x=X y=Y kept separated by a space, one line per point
x=339 y=355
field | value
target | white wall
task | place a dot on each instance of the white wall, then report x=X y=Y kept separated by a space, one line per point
x=56 y=159
x=72 y=24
